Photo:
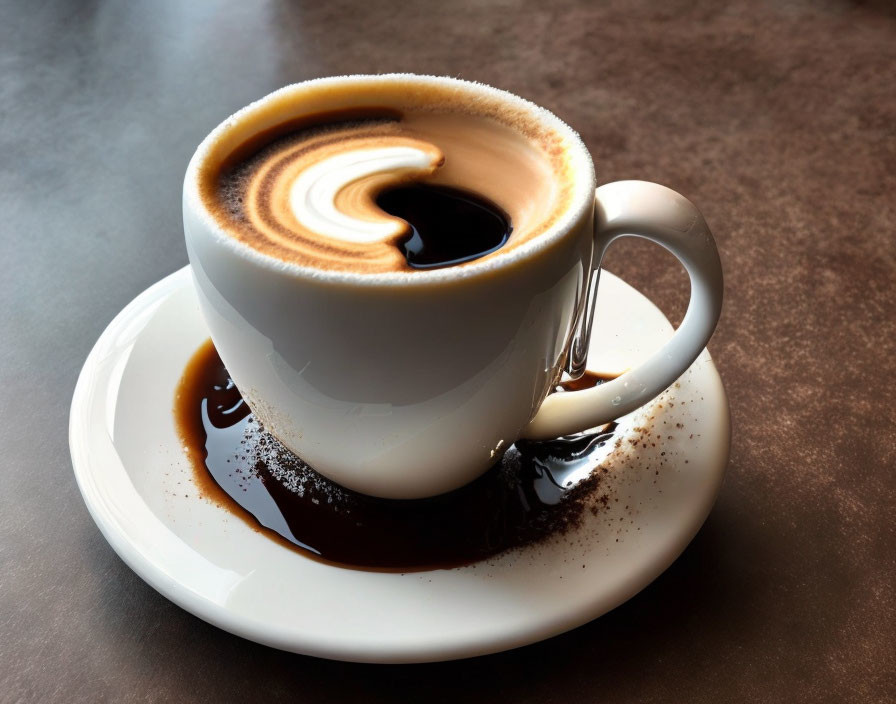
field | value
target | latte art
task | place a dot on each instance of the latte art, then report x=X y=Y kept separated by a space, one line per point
x=307 y=192
x=314 y=193
x=320 y=188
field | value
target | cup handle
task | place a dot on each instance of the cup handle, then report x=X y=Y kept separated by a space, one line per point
x=659 y=214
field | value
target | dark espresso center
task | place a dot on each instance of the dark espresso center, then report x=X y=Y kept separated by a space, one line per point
x=448 y=225
x=536 y=489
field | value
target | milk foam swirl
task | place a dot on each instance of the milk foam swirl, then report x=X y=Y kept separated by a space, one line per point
x=313 y=194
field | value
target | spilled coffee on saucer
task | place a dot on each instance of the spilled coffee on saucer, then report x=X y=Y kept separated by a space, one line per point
x=420 y=184
x=534 y=491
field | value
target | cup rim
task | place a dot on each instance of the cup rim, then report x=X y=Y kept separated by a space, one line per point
x=582 y=198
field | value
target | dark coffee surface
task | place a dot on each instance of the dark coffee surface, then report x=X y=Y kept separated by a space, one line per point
x=775 y=118
x=535 y=491
x=448 y=225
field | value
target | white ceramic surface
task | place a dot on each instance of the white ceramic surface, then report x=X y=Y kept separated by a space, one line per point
x=361 y=373
x=137 y=484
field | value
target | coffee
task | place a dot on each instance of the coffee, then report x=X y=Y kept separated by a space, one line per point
x=447 y=226
x=535 y=490
x=362 y=364
x=345 y=189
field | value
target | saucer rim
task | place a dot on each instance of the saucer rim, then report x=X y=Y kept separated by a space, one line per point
x=286 y=636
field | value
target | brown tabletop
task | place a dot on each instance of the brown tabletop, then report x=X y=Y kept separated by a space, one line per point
x=777 y=119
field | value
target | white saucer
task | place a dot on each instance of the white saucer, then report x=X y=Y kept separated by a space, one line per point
x=137 y=484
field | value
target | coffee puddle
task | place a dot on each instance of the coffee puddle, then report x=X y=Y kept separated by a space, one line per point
x=536 y=490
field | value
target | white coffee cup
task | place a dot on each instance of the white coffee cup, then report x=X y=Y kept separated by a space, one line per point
x=411 y=384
